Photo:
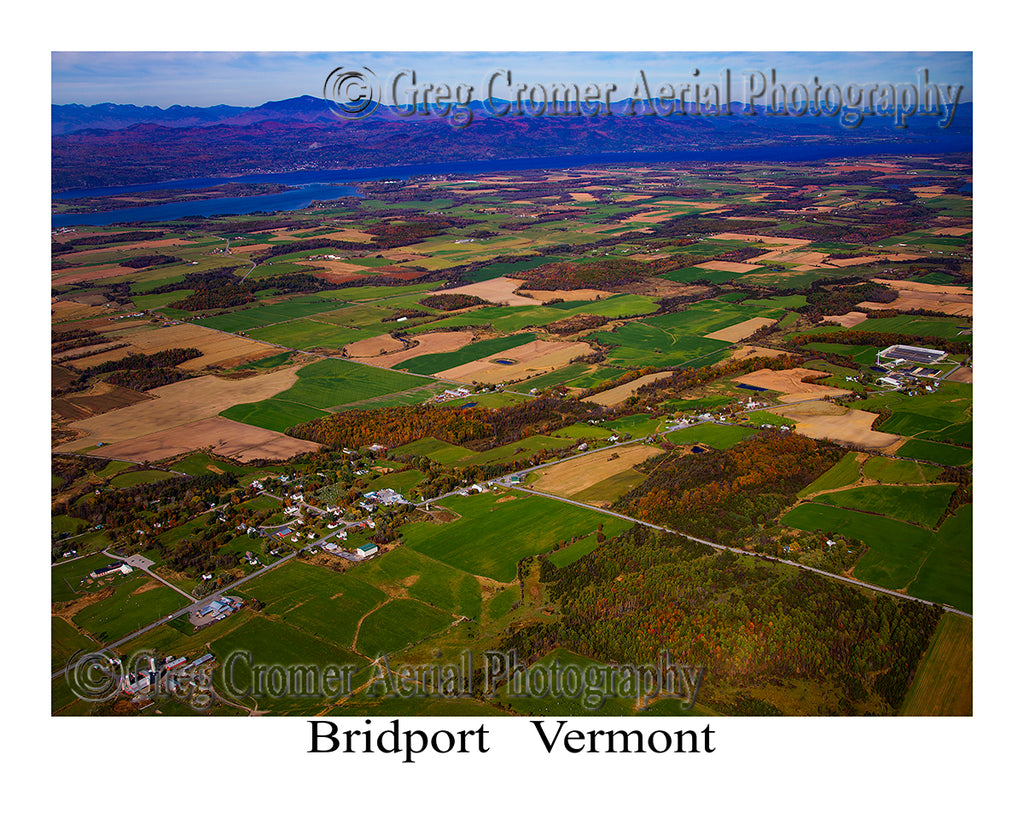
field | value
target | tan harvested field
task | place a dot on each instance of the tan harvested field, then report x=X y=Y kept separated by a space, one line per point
x=74 y=275
x=575 y=476
x=952 y=300
x=965 y=375
x=224 y=438
x=632 y=198
x=768 y=240
x=750 y=351
x=922 y=287
x=582 y=197
x=889 y=257
x=399 y=255
x=348 y=235
x=342 y=270
x=851 y=319
x=801 y=257
x=737 y=332
x=652 y=216
x=790 y=383
x=177 y=404
x=951 y=231
x=61 y=311
x=616 y=395
x=99 y=398
x=566 y=295
x=730 y=267
x=822 y=420
x=498 y=291
x=220 y=349
x=929 y=191
x=532 y=358
x=445 y=342
x=376 y=346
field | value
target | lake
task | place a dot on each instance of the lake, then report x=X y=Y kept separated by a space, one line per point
x=330 y=184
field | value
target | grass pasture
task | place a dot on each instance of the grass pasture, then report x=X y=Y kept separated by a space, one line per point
x=844 y=473
x=922 y=505
x=943 y=683
x=405 y=571
x=718 y=436
x=492 y=533
x=398 y=624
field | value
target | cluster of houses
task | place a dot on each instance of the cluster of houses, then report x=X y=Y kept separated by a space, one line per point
x=449 y=395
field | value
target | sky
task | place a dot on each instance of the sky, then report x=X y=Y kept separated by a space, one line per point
x=165 y=78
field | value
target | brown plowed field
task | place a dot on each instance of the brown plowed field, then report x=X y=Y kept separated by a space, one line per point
x=790 y=383
x=572 y=477
x=445 y=342
x=828 y=421
x=736 y=332
x=217 y=348
x=224 y=438
x=177 y=404
x=616 y=395
x=532 y=358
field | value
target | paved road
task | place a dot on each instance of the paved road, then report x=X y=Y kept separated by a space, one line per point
x=141 y=563
x=721 y=547
x=198 y=604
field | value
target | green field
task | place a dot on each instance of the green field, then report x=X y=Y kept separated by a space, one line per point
x=322 y=385
x=273 y=414
x=425 y=579
x=719 y=436
x=922 y=505
x=936 y=453
x=893 y=470
x=944 y=681
x=398 y=624
x=127 y=610
x=437 y=362
x=933 y=565
x=65 y=641
x=439 y=451
x=492 y=534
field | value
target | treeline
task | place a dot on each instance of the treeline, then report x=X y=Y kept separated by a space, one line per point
x=103 y=239
x=838 y=301
x=475 y=427
x=151 y=260
x=957 y=345
x=689 y=378
x=221 y=288
x=72 y=339
x=451 y=301
x=726 y=495
x=595 y=274
x=752 y=625
x=142 y=371
x=397 y=234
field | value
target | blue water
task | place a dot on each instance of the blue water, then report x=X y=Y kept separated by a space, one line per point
x=294 y=199
x=323 y=184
